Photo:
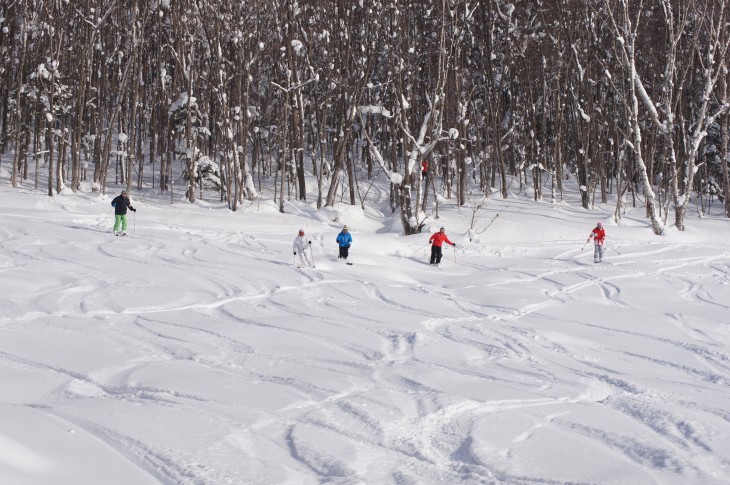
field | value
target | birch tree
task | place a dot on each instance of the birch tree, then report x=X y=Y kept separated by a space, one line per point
x=712 y=56
x=624 y=19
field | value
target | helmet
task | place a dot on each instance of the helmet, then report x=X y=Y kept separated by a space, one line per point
x=344 y=228
x=599 y=224
x=442 y=229
x=301 y=232
x=124 y=191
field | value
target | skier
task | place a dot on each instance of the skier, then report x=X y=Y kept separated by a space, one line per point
x=344 y=240
x=300 y=249
x=424 y=168
x=599 y=236
x=436 y=241
x=120 y=204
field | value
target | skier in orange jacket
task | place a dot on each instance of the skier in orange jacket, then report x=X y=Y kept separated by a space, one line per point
x=436 y=241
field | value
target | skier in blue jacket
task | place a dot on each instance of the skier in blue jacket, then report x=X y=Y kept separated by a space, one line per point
x=344 y=240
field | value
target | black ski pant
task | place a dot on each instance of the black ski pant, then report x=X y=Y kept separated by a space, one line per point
x=344 y=252
x=436 y=254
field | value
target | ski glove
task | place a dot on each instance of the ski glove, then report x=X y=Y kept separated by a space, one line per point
x=133 y=210
x=310 y=243
x=454 y=244
x=295 y=253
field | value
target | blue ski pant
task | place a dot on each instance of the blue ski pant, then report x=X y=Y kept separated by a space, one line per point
x=598 y=252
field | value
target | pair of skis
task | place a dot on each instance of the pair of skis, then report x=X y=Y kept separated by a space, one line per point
x=313 y=266
x=298 y=266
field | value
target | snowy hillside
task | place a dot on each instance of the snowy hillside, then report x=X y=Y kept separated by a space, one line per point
x=193 y=351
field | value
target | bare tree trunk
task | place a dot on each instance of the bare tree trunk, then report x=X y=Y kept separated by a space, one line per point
x=626 y=30
x=137 y=38
x=50 y=114
x=724 y=155
x=19 y=97
x=715 y=58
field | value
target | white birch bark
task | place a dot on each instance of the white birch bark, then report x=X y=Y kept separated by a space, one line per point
x=625 y=30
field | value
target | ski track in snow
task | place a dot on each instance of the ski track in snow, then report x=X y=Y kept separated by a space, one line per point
x=352 y=395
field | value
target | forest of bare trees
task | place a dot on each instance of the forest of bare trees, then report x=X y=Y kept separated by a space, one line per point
x=243 y=98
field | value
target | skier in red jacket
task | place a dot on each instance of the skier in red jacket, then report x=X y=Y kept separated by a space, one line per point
x=436 y=241
x=599 y=237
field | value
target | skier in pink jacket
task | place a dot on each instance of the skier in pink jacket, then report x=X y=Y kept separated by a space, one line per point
x=599 y=237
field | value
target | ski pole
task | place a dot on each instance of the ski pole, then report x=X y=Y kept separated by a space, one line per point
x=107 y=215
x=417 y=250
x=616 y=251
x=311 y=253
x=492 y=221
x=134 y=222
x=428 y=254
x=454 y=246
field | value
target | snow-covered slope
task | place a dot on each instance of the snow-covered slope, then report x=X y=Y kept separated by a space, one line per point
x=194 y=352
